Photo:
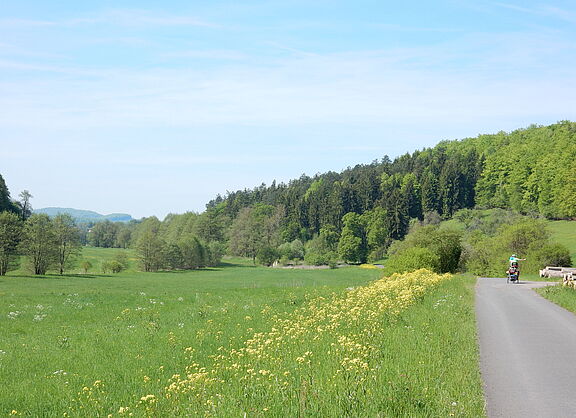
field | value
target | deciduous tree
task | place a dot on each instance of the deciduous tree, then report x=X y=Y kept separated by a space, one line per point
x=25 y=207
x=67 y=237
x=10 y=230
x=39 y=243
x=352 y=245
x=151 y=245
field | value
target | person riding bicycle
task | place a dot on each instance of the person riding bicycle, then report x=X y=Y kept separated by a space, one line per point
x=514 y=266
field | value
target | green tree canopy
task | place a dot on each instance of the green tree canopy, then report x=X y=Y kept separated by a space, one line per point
x=10 y=231
x=352 y=244
x=39 y=243
x=67 y=238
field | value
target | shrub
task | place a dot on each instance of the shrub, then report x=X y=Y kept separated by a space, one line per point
x=116 y=266
x=520 y=237
x=292 y=250
x=86 y=265
x=320 y=250
x=540 y=256
x=314 y=258
x=488 y=255
x=284 y=261
x=444 y=243
x=112 y=266
x=377 y=254
x=122 y=258
x=215 y=252
x=267 y=256
x=411 y=259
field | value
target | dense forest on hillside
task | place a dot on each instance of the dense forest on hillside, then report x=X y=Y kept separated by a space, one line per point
x=528 y=170
x=355 y=215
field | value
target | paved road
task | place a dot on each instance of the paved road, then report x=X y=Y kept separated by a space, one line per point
x=527 y=351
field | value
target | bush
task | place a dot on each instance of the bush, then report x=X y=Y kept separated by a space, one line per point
x=284 y=261
x=314 y=258
x=411 y=259
x=292 y=250
x=267 y=256
x=122 y=258
x=520 y=237
x=215 y=251
x=320 y=250
x=377 y=254
x=444 y=243
x=112 y=266
x=86 y=265
x=539 y=257
x=488 y=255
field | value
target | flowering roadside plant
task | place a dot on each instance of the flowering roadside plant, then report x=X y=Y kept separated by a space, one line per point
x=323 y=353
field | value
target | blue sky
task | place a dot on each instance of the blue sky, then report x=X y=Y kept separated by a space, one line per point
x=155 y=107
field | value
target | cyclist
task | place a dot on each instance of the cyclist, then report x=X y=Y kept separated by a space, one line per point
x=514 y=266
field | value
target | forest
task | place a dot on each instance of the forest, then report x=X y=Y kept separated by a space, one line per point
x=353 y=216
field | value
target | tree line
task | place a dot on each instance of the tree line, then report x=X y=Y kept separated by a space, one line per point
x=355 y=215
x=187 y=241
x=47 y=243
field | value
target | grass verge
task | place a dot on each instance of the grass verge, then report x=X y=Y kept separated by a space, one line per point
x=431 y=367
x=560 y=295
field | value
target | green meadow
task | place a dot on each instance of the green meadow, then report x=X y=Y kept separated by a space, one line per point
x=561 y=232
x=564 y=232
x=93 y=344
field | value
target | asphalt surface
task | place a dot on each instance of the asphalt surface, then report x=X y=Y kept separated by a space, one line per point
x=527 y=351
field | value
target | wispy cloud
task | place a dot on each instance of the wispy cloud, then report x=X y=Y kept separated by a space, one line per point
x=119 y=17
x=47 y=68
x=403 y=28
x=186 y=160
x=567 y=15
x=404 y=86
x=215 y=54
x=12 y=22
x=138 y=17
x=292 y=50
x=549 y=11
x=360 y=148
x=515 y=7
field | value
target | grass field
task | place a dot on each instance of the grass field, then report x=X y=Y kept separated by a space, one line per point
x=564 y=232
x=92 y=344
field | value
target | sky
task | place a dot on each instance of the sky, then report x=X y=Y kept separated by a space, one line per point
x=150 y=108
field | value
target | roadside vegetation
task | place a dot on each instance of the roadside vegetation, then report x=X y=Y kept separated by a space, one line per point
x=564 y=232
x=560 y=295
x=479 y=242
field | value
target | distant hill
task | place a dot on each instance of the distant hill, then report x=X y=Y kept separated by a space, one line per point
x=85 y=215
